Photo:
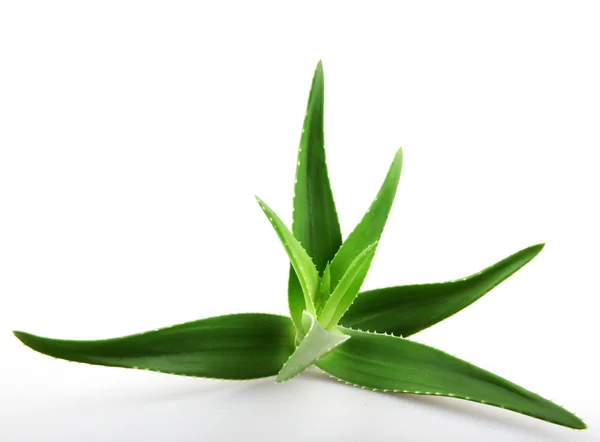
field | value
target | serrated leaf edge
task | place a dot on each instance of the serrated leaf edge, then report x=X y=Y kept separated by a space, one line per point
x=437 y=393
x=451 y=395
x=357 y=265
x=315 y=323
x=152 y=331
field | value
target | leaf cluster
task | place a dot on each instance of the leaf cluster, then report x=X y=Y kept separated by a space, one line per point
x=357 y=337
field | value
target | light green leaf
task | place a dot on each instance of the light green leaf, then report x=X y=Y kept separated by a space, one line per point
x=391 y=363
x=240 y=346
x=405 y=310
x=301 y=262
x=324 y=290
x=316 y=343
x=315 y=222
x=371 y=226
x=347 y=289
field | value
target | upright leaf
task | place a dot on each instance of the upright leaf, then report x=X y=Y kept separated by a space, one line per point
x=324 y=290
x=240 y=346
x=405 y=310
x=316 y=343
x=370 y=227
x=347 y=289
x=301 y=262
x=315 y=221
x=390 y=363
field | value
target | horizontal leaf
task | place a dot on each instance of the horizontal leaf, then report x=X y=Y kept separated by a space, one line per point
x=391 y=363
x=240 y=346
x=347 y=289
x=315 y=344
x=405 y=310
x=314 y=222
x=371 y=226
x=301 y=261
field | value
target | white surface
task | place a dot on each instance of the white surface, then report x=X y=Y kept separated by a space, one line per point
x=134 y=135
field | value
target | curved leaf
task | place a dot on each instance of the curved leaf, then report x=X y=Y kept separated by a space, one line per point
x=405 y=310
x=240 y=346
x=314 y=222
x=315 y=344
x=347 y=288
x=301 y=262
x=390 y=363
x=371 y=226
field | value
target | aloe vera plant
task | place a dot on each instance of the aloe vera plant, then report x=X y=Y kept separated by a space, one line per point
x=358 y=338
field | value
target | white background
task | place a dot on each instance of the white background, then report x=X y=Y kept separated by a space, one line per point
x=133 y=137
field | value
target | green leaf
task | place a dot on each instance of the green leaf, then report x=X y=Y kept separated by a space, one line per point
x=301 y=262
x=391 y=363
x=371 y=226
x=315 y=344
x=405 y=310
x=324 y=290
x=239 y=346
x=315 y=222
x=347 y=289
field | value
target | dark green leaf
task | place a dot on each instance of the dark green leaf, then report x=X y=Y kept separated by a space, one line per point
x=315 y=221
x=391 y=363
x=240 y=346
x=405 y=310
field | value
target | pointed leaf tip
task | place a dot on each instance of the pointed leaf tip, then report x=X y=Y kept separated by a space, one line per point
x=533 y=251
x=370 y=228
x=405 y=310
x=20 y=335
x=383 y=362
x=302 y=263
x=315 y=222
x=238 y=346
